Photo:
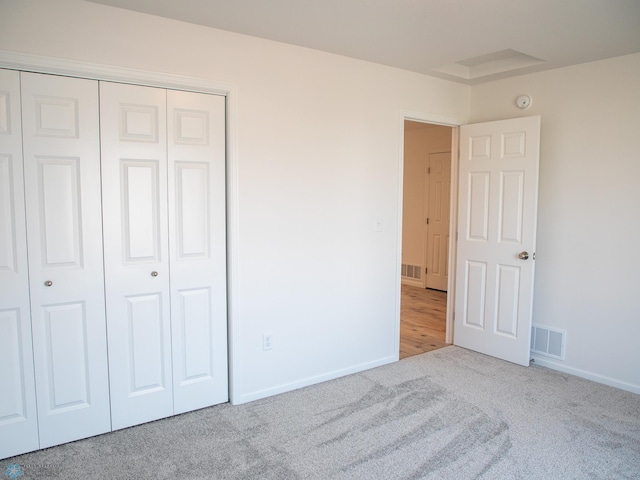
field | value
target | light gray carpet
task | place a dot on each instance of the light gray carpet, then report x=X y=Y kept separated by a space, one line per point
x=447 y=414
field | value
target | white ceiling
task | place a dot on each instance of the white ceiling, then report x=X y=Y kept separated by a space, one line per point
x=469 y=41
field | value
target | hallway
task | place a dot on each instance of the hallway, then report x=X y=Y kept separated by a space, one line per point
x=422 y=320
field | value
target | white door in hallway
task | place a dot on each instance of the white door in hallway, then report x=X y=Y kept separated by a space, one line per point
x=18 y=419
x=439 y=192
x=497 y=212
x=64 y=237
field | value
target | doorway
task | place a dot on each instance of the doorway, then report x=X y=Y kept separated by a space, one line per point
x=425 y=237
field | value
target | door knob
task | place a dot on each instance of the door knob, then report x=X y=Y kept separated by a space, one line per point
x=48 y=283
x=523 y=255
x=154 y=274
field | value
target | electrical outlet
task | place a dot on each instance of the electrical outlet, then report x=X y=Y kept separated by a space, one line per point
x=267 y=341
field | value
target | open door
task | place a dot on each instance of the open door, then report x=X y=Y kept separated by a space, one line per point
x=497 y=213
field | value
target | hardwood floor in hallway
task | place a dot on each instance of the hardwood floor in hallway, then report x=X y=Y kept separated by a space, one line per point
x=422 y=320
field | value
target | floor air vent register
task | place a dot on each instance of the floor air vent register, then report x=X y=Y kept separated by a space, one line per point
x=411 y=271
x=548 y=341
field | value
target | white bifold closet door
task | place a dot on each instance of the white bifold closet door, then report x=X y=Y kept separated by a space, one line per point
x=64 y=237
x=197 y=249
x=136 y=250
x=164 y=210
x=18 y=418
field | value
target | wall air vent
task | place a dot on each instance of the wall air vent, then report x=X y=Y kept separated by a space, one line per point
x=548 y=341
x=412 y=271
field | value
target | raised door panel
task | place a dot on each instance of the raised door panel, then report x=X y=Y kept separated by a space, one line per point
x=510 y=222
x=18 y=417
x=8 y=254
x=67 y=354
x=134 y=180
x=146 y=350
x=196 y=149
x=63 y=203
x=58 y=185
x=140 y=224
x=477 y=198
x=474 y=294
x=507 y=300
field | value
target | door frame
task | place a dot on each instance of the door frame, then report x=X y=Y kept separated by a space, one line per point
x=93 y=71
x=455 y=124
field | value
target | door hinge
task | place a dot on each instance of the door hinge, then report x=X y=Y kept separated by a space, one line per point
x=428 y=170
x=425 y=269
x=427 y=220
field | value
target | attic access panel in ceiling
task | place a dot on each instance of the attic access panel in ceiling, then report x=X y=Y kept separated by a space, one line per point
x=490 y=64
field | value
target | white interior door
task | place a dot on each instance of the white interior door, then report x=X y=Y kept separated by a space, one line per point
x=18 y=418
x=197 y=239
x=64 y=233
x=497 y=211
x=134 y=181
x=438 y=191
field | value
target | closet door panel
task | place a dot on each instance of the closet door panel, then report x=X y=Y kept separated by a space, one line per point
x=146 y=359
x=58 y=185
x=67 y=354
x=139 y=184
x=196 y=149
x=63 y=203
x=18 y=418
x=134 y=179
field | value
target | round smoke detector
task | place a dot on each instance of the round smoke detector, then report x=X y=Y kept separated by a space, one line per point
x=523 y=101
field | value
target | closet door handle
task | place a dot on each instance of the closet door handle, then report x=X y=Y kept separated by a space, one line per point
x=48 y=283
x=154 y=274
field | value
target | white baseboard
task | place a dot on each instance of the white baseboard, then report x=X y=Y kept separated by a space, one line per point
x=287 y=387
x=594 y=377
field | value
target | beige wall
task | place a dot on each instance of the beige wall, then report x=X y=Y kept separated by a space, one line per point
x=587 y=267
x=418 y=144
